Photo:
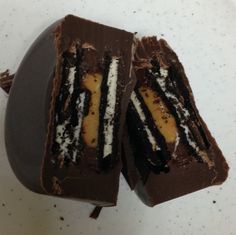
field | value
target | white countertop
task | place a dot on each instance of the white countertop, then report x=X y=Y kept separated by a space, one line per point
x=203 y=33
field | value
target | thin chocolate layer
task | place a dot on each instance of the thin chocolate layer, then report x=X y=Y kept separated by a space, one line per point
x=195 y=159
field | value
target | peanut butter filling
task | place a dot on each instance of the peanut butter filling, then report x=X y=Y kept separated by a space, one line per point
x=92 y=82
x=164 y=120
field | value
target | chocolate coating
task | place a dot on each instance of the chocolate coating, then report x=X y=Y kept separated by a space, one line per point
x=186 y=174
x=30 y=112
x=27 y=110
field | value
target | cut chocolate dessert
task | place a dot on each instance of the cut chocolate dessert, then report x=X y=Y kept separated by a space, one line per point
x=66 y=114
x=168 y=149
x=67 y=108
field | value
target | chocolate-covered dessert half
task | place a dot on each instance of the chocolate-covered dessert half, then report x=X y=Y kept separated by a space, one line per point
x=168 y=150
x=66 y=111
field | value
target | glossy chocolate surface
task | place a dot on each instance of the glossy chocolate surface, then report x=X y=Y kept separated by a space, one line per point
x=27 y=110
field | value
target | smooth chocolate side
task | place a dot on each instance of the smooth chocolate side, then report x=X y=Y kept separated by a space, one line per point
x=27 y=110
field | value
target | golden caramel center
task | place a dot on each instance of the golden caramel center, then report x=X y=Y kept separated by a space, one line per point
x=92 y=82
x=164 y=120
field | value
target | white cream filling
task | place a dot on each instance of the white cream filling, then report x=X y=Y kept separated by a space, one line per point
x=163 y=72
x=71 y=78
x=110 y=107
x=142 y=116
x=176 y=145
x=77 y=130
x=62 y=134
x=61 y=139
x=190 y=142
x=162 y=82
x=183 y=115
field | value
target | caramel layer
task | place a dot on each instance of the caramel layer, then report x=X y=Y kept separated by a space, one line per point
x=164 y=120
x=92 y=82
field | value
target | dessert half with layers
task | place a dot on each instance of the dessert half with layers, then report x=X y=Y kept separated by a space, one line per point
x=168 y=150
x=66 y=110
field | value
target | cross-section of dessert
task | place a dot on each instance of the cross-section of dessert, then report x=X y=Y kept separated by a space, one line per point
x=168 y=150
x=66 y=110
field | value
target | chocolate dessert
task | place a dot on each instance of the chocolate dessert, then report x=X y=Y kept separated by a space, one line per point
x=67 y=108
x=76 y=117
x=168 y=150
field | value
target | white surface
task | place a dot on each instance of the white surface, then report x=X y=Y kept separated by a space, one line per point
x=203 y=34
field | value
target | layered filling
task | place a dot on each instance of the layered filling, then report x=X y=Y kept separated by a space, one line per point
x=174 y=94
x=86 y=106
x=146 y=138
x=166 y=124
x=136 y=103
x=109 y=115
